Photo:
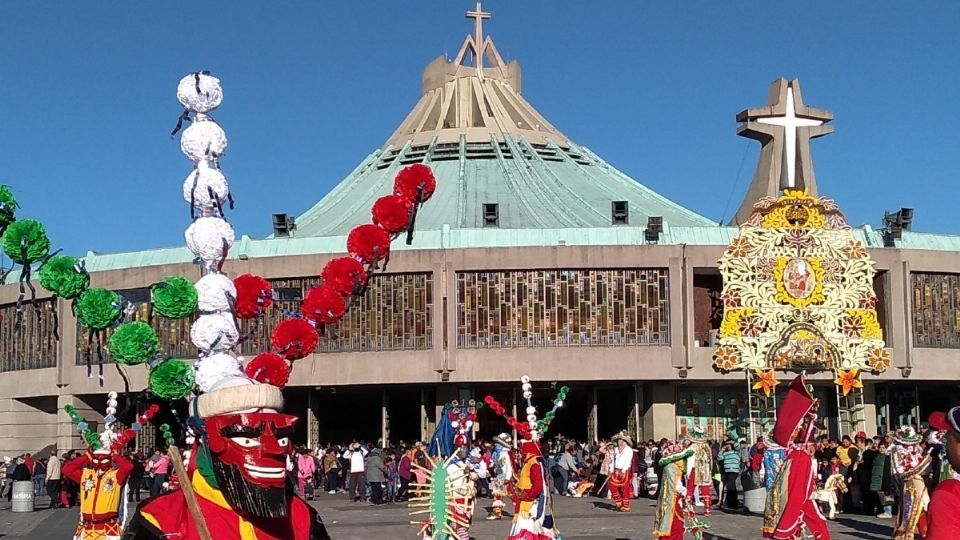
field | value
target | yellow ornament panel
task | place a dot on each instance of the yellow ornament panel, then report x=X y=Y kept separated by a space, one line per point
x=798 y=292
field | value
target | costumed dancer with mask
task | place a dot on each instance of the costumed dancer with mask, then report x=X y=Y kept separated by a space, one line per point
x=621 y=477
x=909 y=462
x=700 y=475
x=674 y=515
x=790 y=507
x=501 y=484
x=448 y=449
x=943 y=519
x=101 y=474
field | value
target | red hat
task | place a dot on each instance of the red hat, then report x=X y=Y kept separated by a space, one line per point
x=945 y=421
x=793 y=410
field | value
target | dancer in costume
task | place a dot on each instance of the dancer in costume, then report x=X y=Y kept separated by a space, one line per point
x=533 y=519
x=621 y=477
x=101 y=475
x=909 y=462
x=790 y=506
x=700 y=475
x=943 y=520
x=501 y=484
x=674 y=516
x=238 y=475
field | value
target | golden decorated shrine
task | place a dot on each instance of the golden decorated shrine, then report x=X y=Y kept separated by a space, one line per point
x=798 y=292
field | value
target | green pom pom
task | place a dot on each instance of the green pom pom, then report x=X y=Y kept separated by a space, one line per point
x=93 y=439
x=69 y=408
x=175 y=297
x=134 y=343
x=62 y=277
x=98 y=308
x=171 y=379
x=27 y=233
x=8 y=206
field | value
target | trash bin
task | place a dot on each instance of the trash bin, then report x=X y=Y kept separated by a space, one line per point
x=22 y=500
x=755 y=500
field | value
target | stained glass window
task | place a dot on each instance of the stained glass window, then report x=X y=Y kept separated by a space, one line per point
x=396 y=313
x=936 y=310
x=547 y=308
x=32 y=343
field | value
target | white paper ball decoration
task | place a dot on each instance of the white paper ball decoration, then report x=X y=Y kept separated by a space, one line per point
x=527 y=394
x=532 y=418
x=203 y=140
x=210 y=93
x=214 y=333
x=212 y=369
x=203 y=181
x=214 y=292
x=531 y=410
x=525 y=379
x=205 y=237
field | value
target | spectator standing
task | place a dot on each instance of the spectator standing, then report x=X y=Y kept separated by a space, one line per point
x=331 y=469
x=375 y=471
x=161 y=469
x=566 y=467
x=135 y=481
x=39 y=477
x=53 y=479
x=356 y=482
x=390 y=477
x=729 y=461
x=746 y=463
x=880 y=482
x=405 y=473
x=306 y=468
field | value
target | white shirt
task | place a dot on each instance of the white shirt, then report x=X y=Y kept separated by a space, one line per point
x=623 y=459
x=356 y=460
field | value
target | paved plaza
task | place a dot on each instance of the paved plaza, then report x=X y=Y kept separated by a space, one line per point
x=578 y=519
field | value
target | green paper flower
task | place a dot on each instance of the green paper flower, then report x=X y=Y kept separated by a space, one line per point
x=98 y=308
x=171 y=379
x=134 y=343
x=175 y=297
x=29 y=234
x=8 y=206
x=61 y=277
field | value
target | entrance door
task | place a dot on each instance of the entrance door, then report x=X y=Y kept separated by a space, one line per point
x=349 y=414
x=403 y=413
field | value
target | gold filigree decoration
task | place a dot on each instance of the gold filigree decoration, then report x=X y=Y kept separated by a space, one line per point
x=798 y=291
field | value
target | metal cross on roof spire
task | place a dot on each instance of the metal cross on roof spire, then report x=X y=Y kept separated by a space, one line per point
x=478 y=16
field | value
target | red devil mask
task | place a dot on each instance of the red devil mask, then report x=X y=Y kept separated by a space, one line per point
x=100 y=462
x=257 y=444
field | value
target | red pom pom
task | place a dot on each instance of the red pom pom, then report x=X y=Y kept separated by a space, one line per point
x=409 y=180
x=369 y=242
x=268 y=368
x=392 y=212
x=323 y=305
x=294 y=338
x=345 y=275
x=254 y=295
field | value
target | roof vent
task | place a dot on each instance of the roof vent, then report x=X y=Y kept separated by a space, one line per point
x=283 y=225
x=491 y=215
x=620 y=213
x=653 y=230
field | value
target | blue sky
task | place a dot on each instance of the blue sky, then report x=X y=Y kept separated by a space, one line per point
x=87 y=99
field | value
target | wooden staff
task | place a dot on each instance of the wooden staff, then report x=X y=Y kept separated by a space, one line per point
x=188 y=493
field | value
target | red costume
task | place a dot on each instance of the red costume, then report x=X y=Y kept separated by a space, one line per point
x=790 y=506
x=533 y=519
x=621 y=475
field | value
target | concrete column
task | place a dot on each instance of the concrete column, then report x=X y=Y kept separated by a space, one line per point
x=313 y=422
x=445 y=394
x=594 y=415
x=384 y=418
x=870 y=408
x=660 y=417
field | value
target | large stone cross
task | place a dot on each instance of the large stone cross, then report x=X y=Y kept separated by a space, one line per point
x=784 y=128
x=478 y=16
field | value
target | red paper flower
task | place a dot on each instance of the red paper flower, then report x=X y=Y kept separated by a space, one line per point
x=392 y=212
x=294 y=338
x=369 y=242
x=254 y=295
x=409 y=180
x=345 y=275
x=323 y=305
x=268 y=368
